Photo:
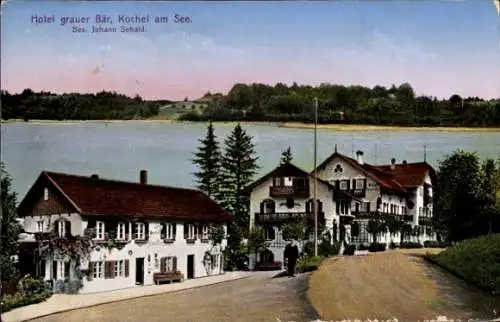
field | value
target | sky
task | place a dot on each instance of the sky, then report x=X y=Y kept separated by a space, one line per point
x=439 y=47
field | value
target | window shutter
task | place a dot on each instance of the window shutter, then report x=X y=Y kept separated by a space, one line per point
x=348 y=184
x=353 y=184
x=90 y=274
x=67 y=228
x=163 y=265
x=126 y=267
x=185 y=230
x=337 y=184
x=54 y=270
x=199 y=231
x=163 y=233
x=271 y=233
x=174 y=229
x=174 y=263
x=262 y=206
x=364 y=184
x=42 y=269
x=112 y=269
x=134 y=230
x=106 y=270
x=337 y=206
x=66 y=270
x=146 y=227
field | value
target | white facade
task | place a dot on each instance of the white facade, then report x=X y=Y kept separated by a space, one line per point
x=125 y=261
x=276 y=243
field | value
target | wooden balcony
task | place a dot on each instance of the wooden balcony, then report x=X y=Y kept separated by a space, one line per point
x=289 y=191
x=361 y=193
x=282 y=217
x=378 y=214
x=424 y=220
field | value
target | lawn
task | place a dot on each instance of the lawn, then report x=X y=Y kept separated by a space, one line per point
x=475 y=260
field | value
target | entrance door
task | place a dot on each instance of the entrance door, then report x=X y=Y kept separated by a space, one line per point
x=190 y=266
x=139 y=271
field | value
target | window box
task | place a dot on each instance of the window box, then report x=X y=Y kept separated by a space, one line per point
x=190 y=241
x=205 y=241
x=168 y=241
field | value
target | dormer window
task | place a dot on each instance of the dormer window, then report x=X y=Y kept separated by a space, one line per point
x=45 y=194
x=121 y=231
x=99 y=230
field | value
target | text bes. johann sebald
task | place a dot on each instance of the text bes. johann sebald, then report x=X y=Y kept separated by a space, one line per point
x=105 y=24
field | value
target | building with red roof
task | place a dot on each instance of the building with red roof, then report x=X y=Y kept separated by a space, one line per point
x=139 y=234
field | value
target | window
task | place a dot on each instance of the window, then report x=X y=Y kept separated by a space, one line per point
x=338 y=169
x=61 y=228
x=268 y=206
x=168 y=264
x=344 y=207
x=120 y=269
x=121 y=231
x=204 y=232
x=278 y=182
x=99 y=231
x=169 y=231
x=141 y=230
x=39 y=224
x=62 y=270
x=191 y=231
x=344 y=185
x=290 y=203
x=269 y=233
x=46 y=194
x=360 y=184
x=98 y=269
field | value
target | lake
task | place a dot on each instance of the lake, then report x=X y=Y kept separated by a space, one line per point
x=120 y=150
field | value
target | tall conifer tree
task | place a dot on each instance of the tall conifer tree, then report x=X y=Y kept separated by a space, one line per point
x=208 y=161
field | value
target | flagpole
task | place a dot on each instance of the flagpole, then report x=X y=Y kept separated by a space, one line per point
x=315 y=200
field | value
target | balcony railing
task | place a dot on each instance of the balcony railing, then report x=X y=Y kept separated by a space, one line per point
x=289 y=191
x=263 y=218
x=424 y=220
x=358 y=193
x=378 y=214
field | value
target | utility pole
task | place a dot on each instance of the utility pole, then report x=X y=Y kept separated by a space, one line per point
x=315 y=202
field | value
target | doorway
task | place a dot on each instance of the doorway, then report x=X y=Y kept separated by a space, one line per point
x=190 y=266
x=139 y=271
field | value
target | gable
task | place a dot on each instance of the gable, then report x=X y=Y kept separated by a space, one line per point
x=44 y=199
x=337 y=169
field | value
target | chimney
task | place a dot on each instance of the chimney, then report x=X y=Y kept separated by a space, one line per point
x=143 y=177
x=94 y=176
x=393 y=164
x=359 y=156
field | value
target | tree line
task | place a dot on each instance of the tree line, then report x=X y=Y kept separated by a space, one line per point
x=396 y=105
x=74 y=106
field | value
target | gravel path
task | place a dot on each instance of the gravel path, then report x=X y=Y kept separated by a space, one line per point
x=258 y=298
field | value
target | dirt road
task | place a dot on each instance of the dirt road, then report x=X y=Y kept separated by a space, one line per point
x=258 y=298
x=394 y=284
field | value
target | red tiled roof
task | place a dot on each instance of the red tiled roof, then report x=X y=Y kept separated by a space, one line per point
x=408 y=175
x=403 y=176
x=96 y=196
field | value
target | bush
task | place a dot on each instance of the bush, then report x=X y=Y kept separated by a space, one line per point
x=363 y=247
x=349 y=249
x=410 y=245
x=308 y=249
x=475 y=260
x=31 y=291
x=434 y=244
x=309 y=263
x=377 y=247
x=325 y=249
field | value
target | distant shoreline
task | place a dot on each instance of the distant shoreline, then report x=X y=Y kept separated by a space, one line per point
x=289 y=125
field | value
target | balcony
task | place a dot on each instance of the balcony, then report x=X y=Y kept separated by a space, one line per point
x=282 y=217
x=361 y=193
x=289 y=191
x=428 y=199
x=378 y=214
x=424 y=220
